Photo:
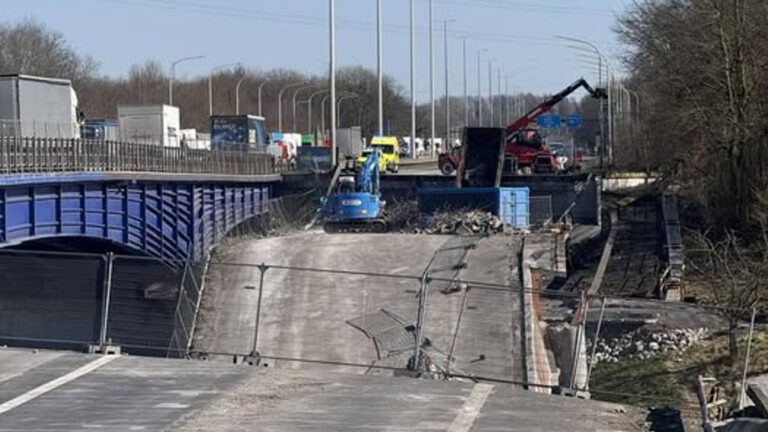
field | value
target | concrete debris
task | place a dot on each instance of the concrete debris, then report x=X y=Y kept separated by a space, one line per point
x=644 y=344
x=462 y=222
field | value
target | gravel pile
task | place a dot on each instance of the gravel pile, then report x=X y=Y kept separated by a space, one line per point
x=645 y=344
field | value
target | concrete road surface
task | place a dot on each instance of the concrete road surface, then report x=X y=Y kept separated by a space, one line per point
x=43 y=391
x=308 y=314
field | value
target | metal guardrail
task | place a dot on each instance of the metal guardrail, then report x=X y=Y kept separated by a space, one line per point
x=672 y=279
x=42 y=155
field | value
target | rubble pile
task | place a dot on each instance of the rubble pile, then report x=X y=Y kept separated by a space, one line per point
x=404 y=216
x=401 y=214
x=645 y=344
x=462 y=222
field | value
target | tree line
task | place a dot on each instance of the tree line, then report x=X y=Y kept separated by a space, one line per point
x=701 y=67
x=29 y=47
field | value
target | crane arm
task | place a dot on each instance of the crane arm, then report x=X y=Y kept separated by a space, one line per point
x=546 y=106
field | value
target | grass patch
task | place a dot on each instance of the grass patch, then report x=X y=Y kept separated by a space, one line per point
x=670 y=379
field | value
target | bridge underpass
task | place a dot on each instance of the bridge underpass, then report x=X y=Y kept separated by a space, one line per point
x=81 y=221
x=57 y=299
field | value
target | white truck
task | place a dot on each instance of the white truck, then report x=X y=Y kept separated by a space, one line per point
x=149 y=124
x=32 y=106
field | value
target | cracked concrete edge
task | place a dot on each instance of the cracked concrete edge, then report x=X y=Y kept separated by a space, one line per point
x=537 y=365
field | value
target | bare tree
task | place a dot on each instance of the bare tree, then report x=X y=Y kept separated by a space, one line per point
x=733 y=275
x=702 y=68
x=29 y=47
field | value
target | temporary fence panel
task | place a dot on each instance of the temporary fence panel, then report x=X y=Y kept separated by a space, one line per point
x=541 y=210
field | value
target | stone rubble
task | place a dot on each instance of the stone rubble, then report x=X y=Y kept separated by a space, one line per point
x=644 y=344
x=463 y=222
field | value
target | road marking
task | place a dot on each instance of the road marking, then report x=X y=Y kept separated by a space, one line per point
x=54 y=384
x=471 y=408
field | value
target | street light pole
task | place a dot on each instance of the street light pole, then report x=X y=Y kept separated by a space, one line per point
x=210 y=84
x=414 y=154
x=432 y=81
x=261 y=86
x=280 y=104
x=380 y=66
x=332 y=76
x=466 y=90
x=323 y=104
x=490 y=89
x=508 y=118
x=309 y=109
x=479 y=90
x=296 y=93
x=173 y=75
x=501 y=97
x=606 y=144
x=237 y=95
x=447 y=93
x=338 y=106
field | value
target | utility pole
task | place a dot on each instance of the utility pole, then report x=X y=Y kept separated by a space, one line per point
x=379 y=66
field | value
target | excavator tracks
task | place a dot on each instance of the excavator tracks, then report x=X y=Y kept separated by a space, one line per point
x=376 y=226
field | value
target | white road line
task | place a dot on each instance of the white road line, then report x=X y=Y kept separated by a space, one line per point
x=471 y=408
x=54 y=384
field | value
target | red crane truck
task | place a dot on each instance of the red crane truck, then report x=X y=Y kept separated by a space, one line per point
x=524 y=145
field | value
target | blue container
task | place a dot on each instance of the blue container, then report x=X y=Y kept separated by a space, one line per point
x=510 y=204
x=514 y=207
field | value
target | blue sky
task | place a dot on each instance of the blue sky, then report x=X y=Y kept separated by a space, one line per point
x=293 y=34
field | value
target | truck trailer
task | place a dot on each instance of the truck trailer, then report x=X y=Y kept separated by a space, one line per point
x=149 y=124
x=241 y=133
x=32 y=106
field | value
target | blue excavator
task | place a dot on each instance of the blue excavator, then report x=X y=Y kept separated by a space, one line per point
x=354 y=203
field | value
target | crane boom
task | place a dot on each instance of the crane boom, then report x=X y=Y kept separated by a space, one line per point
x=546 y=106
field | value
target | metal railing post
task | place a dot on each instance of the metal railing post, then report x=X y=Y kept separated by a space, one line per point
x=577 y=343
x=262 y=269
x=415 y=366
x=109 y=261
x=594 y=342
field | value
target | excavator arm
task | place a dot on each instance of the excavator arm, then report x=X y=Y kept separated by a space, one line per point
x=368 y=176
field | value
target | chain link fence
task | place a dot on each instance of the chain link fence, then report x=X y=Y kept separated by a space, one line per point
x=289 y=316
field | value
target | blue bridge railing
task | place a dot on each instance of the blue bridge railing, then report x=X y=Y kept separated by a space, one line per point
x=43 y=155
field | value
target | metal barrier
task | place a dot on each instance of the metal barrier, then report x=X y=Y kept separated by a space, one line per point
x=42 y=155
